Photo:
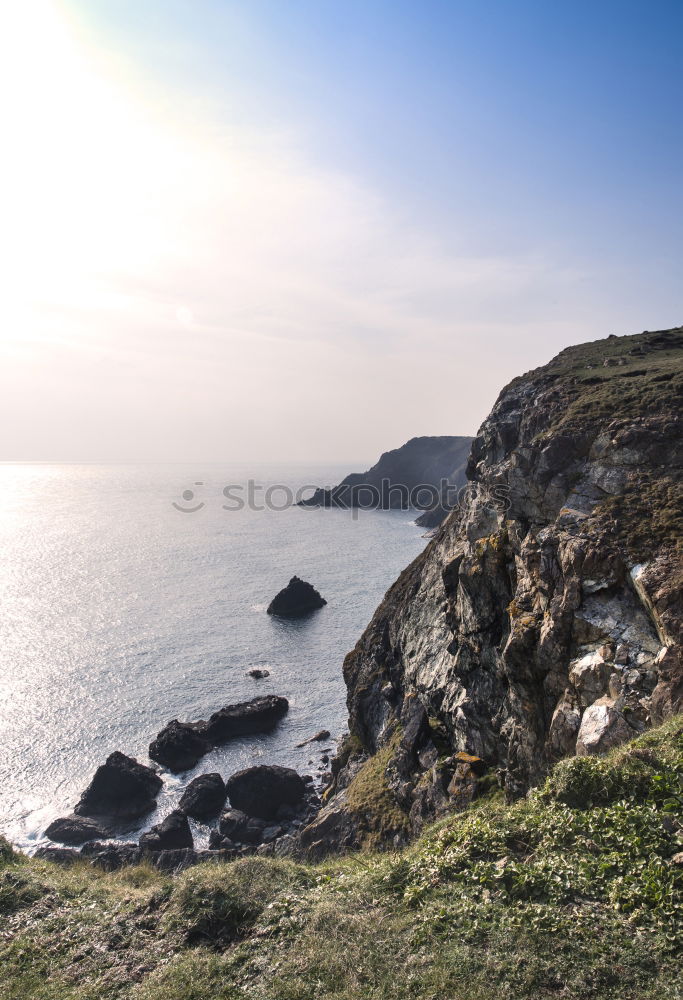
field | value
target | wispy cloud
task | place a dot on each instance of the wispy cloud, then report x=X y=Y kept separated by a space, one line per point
x=182 y=285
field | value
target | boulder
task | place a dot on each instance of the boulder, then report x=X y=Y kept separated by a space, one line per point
x=58 y=855
x=178 y=746
x=239 y=828
x=174 y=860
x=332 y=830
x=258 y=673
x=296 y=599
x=602 y=727
x=261 y=790
x=590 y=676
x=667 y=697
x=121 y=791
x=476 y=765
x=564 y=726
x=173 y=833
x=463 y=786
x=111 y=857
x=75 y=830
x=218 y=842
x=272 y=833
x=204 y=797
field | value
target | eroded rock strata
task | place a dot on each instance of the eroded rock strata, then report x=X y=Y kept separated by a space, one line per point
x=545 y=618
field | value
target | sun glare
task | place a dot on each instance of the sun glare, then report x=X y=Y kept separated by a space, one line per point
x=83 y=167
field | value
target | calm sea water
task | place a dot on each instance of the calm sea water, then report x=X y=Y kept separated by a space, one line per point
x=119 y=612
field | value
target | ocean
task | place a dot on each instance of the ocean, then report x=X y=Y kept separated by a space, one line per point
x=130 y=595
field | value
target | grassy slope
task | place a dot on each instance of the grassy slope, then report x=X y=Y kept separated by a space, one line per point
x=584 y=394
x=640 y=386
x=570 y=893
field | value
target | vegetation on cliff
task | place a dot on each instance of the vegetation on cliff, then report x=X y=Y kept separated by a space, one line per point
x=620 y=382
x=574 y=891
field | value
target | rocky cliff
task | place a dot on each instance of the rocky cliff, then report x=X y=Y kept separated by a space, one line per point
x=545 y=618
x=417 y=474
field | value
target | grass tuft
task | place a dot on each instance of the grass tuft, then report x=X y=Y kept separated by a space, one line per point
x=574 y=891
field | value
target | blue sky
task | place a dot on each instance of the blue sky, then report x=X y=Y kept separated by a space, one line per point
x=513 y=115
x=468 y=188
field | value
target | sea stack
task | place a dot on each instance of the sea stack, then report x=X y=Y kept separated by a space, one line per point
x=298 y=598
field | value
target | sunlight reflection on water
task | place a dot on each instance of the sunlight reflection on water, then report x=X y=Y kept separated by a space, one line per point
x=120 y=613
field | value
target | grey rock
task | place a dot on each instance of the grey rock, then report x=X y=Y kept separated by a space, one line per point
x=58 y=855
x=241 y=828
x=295 y=600
x=180 y=745
x=121 y=791
x=204 y=797
x=75 y=830
x=261 y=790
x=173 y=833
x=564 y=726
x=112 y=857
x=602 y=727
x=175 y=860
x=271 y=833
x=590 y=676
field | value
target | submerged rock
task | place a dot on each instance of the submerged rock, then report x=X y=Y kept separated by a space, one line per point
x=324 y=734
x=296 y=599
x=173 y=833
x=260 y=791
x=121 y=791
x=180 y=745
x=204 y=797
x=75 y=830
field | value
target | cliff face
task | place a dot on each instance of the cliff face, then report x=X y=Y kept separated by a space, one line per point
x=395 y=480
x=545 y=618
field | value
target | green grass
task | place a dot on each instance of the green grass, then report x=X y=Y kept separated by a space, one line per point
x=588 y=393
x=570 y=893
x=371 y=800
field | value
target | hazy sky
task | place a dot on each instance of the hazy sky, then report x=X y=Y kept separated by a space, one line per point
x=311 y=229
